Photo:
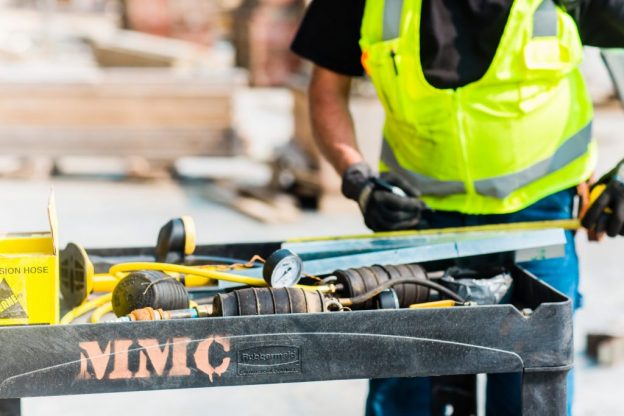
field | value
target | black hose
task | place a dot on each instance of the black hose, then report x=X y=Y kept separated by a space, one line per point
x=406 y=280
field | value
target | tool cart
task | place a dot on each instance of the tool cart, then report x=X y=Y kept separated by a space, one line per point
x=250 y=336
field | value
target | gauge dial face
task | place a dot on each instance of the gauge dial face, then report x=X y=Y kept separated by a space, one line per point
x=283 y=269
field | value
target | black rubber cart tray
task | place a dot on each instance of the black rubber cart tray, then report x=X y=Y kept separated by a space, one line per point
x=532 y=335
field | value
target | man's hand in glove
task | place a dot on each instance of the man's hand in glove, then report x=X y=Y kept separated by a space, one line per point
x=388 y=203
x=607 y=212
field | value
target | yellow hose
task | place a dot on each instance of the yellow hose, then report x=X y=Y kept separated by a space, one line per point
x=97 y=314
x=119 y=270
x=104 y=283
x=447 y=303
x=85 y=307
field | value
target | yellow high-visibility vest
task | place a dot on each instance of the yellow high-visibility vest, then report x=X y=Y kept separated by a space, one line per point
x=497 y=145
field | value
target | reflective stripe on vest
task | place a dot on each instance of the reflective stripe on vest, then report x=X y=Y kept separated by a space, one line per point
x=544 y=20
x=393 y=9
x=572 y=149
x=425 y=184
x=501 y=186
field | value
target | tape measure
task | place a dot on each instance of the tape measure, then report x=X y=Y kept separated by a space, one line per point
x=595 y=194
x=572 y=224
x=569 y=224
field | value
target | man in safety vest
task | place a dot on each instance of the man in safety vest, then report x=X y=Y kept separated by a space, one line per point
x=488 y=120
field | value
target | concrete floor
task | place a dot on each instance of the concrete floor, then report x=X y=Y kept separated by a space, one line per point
x=100 y=214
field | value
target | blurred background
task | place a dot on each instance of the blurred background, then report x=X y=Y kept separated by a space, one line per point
x=137 y=111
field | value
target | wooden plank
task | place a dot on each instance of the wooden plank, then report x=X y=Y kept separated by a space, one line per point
x=237 y=169
x=127 y=167
x=173 y=111
x=129 y=48
x=153 y=144
x=277 y=209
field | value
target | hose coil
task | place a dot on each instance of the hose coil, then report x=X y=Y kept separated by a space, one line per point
x=148 y=288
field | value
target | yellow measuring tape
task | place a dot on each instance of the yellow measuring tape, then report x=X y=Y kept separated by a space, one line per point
x=572 y=224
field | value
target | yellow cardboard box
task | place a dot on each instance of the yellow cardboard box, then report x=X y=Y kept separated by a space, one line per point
x=29 y=284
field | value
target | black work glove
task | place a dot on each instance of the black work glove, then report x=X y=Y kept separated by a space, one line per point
x=388 y=202
x=607 y=212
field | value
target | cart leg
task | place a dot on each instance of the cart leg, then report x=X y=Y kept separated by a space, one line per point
x=10 y=407
x=544 y=393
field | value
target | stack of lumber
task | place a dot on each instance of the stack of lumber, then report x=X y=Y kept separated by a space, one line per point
x=156 y=114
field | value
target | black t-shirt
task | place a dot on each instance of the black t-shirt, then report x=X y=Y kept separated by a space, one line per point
x=458 y=37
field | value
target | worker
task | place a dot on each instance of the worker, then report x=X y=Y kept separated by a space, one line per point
x=488 y=120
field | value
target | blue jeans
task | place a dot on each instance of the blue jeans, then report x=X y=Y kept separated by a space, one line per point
x=412 y=396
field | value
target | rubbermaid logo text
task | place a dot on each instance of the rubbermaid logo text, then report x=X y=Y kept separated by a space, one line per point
x=269 y=359
x=263 y=359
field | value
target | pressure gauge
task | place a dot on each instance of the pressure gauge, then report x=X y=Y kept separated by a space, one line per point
x=282 y=269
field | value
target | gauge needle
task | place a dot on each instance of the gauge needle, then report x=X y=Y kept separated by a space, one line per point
x=286 y=272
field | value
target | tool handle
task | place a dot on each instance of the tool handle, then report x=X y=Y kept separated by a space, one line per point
x=381 y=184
x=595 y=194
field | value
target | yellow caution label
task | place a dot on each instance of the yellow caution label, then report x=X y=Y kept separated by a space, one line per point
x=28 y=285
x=13 y=300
